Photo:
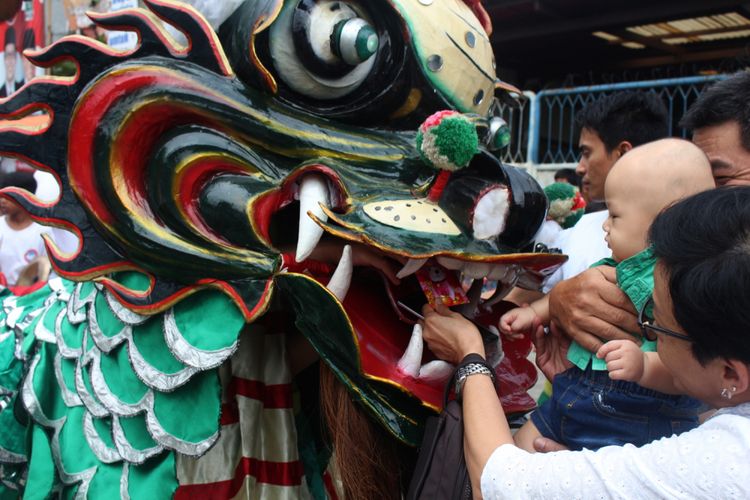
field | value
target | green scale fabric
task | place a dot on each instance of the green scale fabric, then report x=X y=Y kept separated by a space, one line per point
x=93 y=397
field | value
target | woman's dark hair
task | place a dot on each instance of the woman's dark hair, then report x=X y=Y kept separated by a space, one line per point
x=703 y=244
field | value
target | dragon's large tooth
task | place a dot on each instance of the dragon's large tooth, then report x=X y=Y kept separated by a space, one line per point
x=313 y=192
x=342 y=277
x=411 y=361
x=411 y=267
x=506 y=282
x=436 y=370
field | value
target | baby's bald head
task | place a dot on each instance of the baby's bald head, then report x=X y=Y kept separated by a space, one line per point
x=645 y=181
x=657 y=174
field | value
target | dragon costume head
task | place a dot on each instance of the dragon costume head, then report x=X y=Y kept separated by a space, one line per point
x=218 y=164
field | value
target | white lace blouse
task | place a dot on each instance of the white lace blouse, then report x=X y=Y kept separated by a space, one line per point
x=711 y=461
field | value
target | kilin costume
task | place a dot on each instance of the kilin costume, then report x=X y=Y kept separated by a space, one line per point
x=157 y=366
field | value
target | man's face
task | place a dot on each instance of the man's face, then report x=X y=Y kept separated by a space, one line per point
x=595 y=163
x=7 y=207
x=10 y=62
x=730 y=161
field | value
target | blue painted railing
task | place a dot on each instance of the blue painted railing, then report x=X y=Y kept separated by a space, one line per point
x=543 y=128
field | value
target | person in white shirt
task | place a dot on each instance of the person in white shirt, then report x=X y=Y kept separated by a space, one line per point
x=589 y=307
x=10 y=57
x=703 y=344
x=21 y=240
x=610 y=127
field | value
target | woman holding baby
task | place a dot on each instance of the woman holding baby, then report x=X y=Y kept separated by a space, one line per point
x=701 y=312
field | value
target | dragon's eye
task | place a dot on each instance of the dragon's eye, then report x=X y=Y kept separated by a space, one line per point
x=322 y=48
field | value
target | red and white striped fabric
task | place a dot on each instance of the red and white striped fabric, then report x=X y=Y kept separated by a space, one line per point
x=256 y=455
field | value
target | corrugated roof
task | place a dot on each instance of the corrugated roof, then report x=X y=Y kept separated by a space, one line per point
x=683 y=31
x=697 y=29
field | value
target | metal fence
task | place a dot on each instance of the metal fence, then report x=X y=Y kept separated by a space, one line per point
x=543 y=130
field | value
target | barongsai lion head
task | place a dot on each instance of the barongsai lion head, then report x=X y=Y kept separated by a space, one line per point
x=221 y=162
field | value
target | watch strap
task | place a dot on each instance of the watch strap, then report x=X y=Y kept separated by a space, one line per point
x=473 y=364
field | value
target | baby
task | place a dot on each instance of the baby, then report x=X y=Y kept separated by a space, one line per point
x=589 y=407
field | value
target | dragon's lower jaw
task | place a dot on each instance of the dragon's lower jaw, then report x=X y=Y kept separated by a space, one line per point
x=391 y=350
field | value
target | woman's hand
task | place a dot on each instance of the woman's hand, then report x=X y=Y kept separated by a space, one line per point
x=449 y=335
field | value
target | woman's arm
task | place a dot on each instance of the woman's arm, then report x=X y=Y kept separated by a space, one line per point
x=485 y=425
x=716 y=466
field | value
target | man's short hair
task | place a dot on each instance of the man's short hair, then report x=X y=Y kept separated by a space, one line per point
x=10 y=37
x=568 y=174
x=725 y=101
x=24 y=180
x=636 y=117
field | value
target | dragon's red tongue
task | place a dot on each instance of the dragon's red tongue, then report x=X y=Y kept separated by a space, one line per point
x=383 y=337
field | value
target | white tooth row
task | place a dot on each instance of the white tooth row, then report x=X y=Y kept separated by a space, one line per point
x=473 y=270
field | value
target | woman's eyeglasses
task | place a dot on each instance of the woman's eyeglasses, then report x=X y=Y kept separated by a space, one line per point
x=649 y=330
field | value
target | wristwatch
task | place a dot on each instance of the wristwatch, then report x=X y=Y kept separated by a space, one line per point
x=466 y=371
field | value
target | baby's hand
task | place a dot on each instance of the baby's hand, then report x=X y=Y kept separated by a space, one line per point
x=625 y=360
x=517 y=322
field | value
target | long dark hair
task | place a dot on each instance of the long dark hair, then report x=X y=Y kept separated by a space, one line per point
x=703 y=243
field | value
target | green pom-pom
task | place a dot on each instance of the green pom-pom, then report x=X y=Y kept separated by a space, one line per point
x=560 y=191
x=566 y=206
x=447 y=140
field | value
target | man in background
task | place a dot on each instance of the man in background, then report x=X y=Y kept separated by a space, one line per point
x=590 y=307
x=11 y=83
x=21 y=241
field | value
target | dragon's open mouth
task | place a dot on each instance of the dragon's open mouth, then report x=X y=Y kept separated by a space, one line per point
x=381 y=313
